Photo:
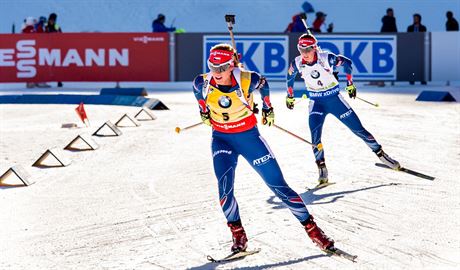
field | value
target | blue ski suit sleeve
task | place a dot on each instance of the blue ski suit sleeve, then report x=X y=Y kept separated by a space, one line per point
x=340 y=60
x=290 y=78
x=259 y=82
x=198 y=92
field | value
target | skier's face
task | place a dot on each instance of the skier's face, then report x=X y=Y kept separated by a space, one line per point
x=308 y=56
x=223 y=77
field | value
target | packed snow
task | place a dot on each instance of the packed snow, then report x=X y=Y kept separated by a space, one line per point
x=148 y=199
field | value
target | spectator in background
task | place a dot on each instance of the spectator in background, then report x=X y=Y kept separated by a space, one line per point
x=319 y=25
x=29 y=25
x=389 y=22
x=388 y=26
x=40 y=26
x=53 y=27
x=290 y=25
x=296 y=26
x=158 y=25
x=417 y=26
x=451 y=24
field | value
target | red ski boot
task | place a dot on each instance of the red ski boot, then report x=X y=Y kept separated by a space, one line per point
x=240 y=241
x=317 y=235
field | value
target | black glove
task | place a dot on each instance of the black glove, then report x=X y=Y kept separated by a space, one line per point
x=268 y=116
x=255 y=110
x=206 y=118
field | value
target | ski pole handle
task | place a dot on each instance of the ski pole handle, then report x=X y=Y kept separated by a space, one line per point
x=294 y=135
x=303 y=17
x=230 y=19
x=368 y=102
x=178 y=129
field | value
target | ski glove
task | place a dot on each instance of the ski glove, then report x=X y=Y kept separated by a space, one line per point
x=268 y=116
x=206 y=118
x=290 y=102
x=351 y=89
x=255 y=110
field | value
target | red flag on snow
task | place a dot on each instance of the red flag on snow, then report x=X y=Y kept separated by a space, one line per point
x=81 y=113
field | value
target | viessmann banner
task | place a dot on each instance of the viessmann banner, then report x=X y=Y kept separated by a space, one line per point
x=373 y=56
x=84 y=57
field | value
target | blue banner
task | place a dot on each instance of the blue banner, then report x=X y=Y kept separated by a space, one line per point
x=373 y=57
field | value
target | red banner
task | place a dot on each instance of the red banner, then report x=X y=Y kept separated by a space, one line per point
x=84 y=57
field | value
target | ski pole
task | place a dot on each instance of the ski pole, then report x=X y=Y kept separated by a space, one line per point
x=230 y=19
x=303 y=16
x=178 y=129
x=294 y=135
x=304 y=96
x=368 y=102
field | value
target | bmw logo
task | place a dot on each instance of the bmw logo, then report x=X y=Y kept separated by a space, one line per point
x=225 y=102
x=314 y=74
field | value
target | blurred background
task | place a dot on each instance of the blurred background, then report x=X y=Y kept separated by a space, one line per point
x=206 y=15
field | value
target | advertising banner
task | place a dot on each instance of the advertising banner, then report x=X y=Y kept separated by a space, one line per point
x=84 y=57
x=373 y=57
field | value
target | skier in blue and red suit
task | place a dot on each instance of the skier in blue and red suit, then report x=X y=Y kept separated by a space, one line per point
x=317 y=69
x=225 y=98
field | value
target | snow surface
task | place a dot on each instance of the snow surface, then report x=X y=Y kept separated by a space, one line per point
x=148 y=199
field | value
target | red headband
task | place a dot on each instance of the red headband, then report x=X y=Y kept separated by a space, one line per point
x=220 y=56
x=307 y=42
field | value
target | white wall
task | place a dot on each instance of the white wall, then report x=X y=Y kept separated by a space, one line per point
x=445 y=56
x=207 y=15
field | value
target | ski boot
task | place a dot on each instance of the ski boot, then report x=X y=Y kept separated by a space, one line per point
x=323 y=175
x=387 y=160
x=317 y=235
x=240 y=241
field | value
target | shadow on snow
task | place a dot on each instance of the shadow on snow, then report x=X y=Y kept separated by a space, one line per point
x=213 y=265
x=310 y=198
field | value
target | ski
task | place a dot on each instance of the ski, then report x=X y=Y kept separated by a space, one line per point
x=411 y=172
x=234 y=256
x=340 y=253
x=320 y=186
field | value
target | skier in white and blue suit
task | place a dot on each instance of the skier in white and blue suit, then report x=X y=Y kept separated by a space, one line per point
x=317 y=69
